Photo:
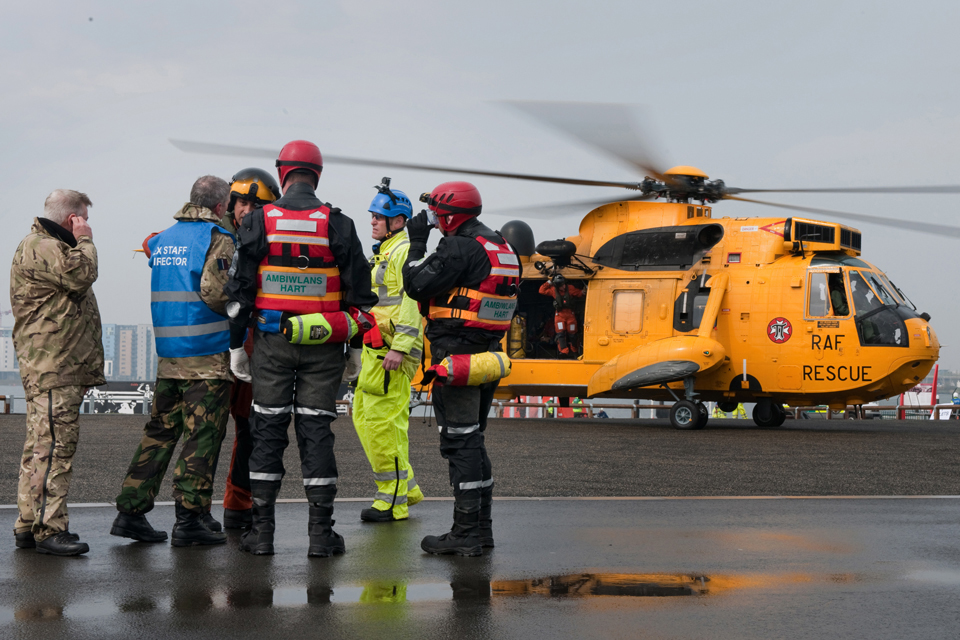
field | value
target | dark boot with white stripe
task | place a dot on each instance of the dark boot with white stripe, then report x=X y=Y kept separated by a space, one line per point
x=486 y=516
x=464 y=538
x=324 y=541
x=259 y=540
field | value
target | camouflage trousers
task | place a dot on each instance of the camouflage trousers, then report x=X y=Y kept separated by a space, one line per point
x=46 y=465
x=197 y=410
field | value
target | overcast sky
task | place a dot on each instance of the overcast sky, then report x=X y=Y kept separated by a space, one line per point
x=760 y=94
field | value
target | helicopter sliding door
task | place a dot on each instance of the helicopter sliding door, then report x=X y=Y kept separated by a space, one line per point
x=624 y=314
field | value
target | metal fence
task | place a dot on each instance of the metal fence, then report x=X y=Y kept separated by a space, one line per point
x=138 y=403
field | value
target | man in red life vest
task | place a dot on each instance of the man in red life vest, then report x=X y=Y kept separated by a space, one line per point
x=467 y=289
x=297 y=256
x=564 y=322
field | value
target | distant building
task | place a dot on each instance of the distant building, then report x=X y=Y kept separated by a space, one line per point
x=8 y=355
x=109 y=349
x=146 y=358
x=135 y=353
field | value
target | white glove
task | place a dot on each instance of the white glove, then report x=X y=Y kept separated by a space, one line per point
x=240 y=364
x=352 y=370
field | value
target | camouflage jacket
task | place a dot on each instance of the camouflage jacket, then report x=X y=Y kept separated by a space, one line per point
x=57 y=330
x=212 y=280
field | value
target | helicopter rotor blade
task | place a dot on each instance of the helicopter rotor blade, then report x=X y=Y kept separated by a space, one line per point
x=562 y=209
x=921 y=227
x=231 y=150
x=610 y=128
x=948 y=188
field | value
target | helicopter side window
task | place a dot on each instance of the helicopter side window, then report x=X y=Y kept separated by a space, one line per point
x=699 y=306
x=627 y=311
x=818 y=303
x=838 y=295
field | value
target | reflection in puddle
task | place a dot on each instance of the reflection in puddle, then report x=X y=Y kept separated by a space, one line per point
x=605 y=584
x=474 y=589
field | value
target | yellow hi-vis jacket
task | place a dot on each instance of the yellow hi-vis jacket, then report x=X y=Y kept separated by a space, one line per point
x=398 y=315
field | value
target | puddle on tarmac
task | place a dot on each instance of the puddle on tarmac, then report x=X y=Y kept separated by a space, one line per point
x=476 y=589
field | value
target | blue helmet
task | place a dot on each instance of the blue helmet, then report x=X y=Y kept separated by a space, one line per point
x=391 y=202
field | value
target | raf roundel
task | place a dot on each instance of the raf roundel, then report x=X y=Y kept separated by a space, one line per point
x=779 y=330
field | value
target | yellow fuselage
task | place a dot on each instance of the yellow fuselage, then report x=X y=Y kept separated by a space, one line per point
x=773 y=342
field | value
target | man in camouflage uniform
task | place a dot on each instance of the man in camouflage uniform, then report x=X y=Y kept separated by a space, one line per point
x=190 y=263
x=58 y=340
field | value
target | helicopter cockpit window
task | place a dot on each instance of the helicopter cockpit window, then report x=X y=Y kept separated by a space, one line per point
x=879 y=323
x=818 y=303
x=896 y=293
x=627 y=311
x=864 y=299
x=885 y=296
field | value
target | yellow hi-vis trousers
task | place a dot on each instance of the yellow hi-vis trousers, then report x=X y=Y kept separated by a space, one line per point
x=381 y=416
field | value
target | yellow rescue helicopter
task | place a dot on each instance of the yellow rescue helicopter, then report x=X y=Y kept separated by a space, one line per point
x=675 y=302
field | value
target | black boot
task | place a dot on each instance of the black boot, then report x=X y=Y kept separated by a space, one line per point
x=463 y=539
x=259 y=540
x=211 y=523
x=486 y=517
x=371 y=514
x=63 y=544
x=24 y=540
x=324 y=541
x=189 y=530
x=129 y=525
x=233 y=519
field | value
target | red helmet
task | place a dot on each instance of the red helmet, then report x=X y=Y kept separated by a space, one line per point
x=299 y=154
x=454 y=203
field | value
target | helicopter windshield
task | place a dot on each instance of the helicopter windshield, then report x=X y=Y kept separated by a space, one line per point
x=878 y=315
x=864 y=298
x=881 y=288
x=900 y=294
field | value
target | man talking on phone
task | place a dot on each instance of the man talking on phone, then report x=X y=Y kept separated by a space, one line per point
x=57 y=335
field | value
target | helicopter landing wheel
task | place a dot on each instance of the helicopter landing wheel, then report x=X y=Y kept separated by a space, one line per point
x=769 y=414
x=704 y=415
x=685 y=415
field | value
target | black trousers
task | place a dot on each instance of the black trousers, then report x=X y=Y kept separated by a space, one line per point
x=299 y=381
x=462 y=417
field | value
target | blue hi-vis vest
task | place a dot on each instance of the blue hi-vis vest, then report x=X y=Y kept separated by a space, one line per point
x=183 y=324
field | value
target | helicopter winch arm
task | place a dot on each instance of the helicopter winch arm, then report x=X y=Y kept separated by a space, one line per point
x=922 y=227
x=256 y=152
x=718 y=288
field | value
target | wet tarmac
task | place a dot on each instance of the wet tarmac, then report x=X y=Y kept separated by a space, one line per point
x=674 y=568
x=586 y=561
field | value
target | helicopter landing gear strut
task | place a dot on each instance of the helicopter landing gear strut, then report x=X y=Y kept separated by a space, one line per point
x=689 y=413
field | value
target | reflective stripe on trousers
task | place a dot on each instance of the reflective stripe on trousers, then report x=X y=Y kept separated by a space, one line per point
x=266 y=477
x=318 y=482
x=272 y=411
x=482 y=484
x=459 y=431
